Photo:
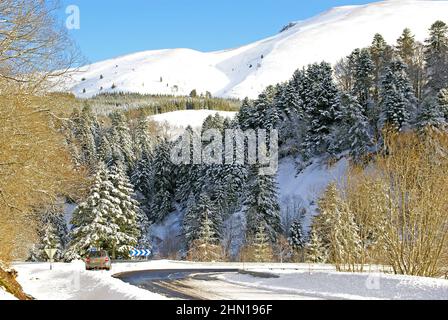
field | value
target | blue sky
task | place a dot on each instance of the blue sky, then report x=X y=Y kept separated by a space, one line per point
x=110 y=28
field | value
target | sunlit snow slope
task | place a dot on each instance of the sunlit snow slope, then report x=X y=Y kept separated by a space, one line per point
x=247 y=70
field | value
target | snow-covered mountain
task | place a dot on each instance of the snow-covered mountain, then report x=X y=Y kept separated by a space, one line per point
x=247 y=70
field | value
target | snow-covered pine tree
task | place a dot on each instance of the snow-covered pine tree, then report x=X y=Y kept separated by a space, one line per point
x=296 y=237
x=262 y=107
x=346 y=243
x=356 y=133
x=164 y=183
x=105 y=149
x=187 y=174
x=292 y=100
x=363 y=77
x=190 y=223
x=436 y=57
x=245 y=115
x=121 y=141
x=143 y=225
x=381 y=54
x=93 y=221
x=195 y=213
x=317 y=252
x=85 y=128
x=274 y=115
x=206 y=247
x=443 y=102
x=52 y=232
x=430 y=116
x=142 y=140
x=398 y=102
x=129 y=216
x=142 y=179
x=323 y=223
x=322 y=108
x=261 y=205
x=107 y=219
x=262 y=246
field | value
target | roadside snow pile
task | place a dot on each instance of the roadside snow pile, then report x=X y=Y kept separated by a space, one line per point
x=72 y=282
x=359 y=286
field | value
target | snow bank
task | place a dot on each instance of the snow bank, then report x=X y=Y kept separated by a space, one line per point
x=359 y=286
x=72 y=282
x=6 y=295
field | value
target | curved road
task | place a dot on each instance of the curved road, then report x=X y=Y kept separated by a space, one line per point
x=200 y=284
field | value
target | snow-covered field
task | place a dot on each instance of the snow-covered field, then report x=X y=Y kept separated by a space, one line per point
x=293 y=281
x=193 y=118
x=247 y=70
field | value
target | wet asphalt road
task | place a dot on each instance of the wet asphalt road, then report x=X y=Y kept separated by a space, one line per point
x=159 y=281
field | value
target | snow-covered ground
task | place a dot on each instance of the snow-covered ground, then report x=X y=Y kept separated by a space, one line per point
x=293 y=281
x=193 y=118
x=303 y=190
x=6 y=295
x=72 y=282
x=247 y=70
x=337 y=285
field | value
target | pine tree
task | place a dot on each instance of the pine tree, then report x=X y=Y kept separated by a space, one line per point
x=346 y=243
x=262 y=247
x=443 y=102
x=262 y=205
x=356 y=133
x=288 y=100
x=363 y=76
x=105 y=149
x=261 y=112
x=244 y=117
x=106 y=220
x=164 y=183
x=296 y=238
x=430 y=116
x=142 y=140
x=397 y=97
x=129 y=215
x=190 y=223
x=52 y=233
x=436 y=56
x=196 y=212
x=143 y=178
x=381 y=54
x=206 y=246
x=121 y=141
x=322 y=107
x=317 y=252
x=86 y=131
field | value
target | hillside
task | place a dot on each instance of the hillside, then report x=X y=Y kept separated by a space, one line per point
x=247 y=70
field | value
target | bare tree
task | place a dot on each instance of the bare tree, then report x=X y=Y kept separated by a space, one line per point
x=35 y=50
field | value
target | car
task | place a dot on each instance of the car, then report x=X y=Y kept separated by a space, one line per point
x=98 y=260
